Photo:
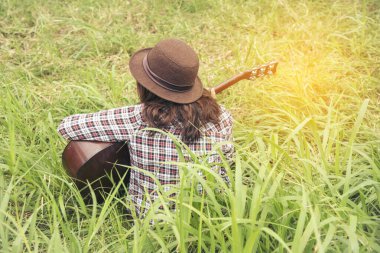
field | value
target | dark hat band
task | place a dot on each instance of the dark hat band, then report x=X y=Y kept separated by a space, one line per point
x=162 y=82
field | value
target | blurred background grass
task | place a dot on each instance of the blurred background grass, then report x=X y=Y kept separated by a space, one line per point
x=313 y=128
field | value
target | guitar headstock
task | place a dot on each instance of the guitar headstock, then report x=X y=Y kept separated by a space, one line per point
x=261 y=70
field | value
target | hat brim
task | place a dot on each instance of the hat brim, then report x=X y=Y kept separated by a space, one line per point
x=138 y=72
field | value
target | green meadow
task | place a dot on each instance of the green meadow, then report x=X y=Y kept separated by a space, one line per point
x=306 y=174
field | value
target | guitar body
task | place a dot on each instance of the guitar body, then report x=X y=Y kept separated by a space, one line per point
x=98 y=163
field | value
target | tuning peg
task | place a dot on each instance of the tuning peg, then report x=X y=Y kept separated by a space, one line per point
x=262 y=71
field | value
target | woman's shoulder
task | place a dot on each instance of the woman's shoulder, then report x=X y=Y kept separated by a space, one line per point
x=131 y=114
x=125 y=111
x=225 y=115
x=223 y=126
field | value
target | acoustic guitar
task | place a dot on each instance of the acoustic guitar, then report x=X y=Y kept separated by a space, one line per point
x=104 y=164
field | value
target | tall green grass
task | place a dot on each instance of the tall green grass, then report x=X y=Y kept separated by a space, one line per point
x=306 y=173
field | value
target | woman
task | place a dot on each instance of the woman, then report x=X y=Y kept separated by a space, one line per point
x=173 y=100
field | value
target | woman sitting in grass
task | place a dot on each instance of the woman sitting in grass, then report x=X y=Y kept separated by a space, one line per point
x=172 y=99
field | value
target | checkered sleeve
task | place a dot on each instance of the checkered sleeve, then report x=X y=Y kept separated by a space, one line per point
x=226 y=123
x=108 y=125
x=228 y=150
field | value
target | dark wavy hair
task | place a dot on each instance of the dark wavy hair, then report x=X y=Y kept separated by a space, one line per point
x=160 y=113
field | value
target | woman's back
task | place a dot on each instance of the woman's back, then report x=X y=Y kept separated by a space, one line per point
x=153 y=153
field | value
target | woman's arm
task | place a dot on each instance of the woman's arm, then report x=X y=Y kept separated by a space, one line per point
x=109 y=125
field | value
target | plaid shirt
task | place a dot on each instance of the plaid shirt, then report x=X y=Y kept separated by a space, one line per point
x=148 y=152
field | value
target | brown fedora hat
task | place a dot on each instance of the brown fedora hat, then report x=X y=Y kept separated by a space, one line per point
x=169 y=70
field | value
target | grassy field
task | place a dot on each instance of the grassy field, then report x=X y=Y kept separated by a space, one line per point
x=307 y=173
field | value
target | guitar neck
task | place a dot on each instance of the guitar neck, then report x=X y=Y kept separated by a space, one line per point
x=257 y=72
x=224 y=85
